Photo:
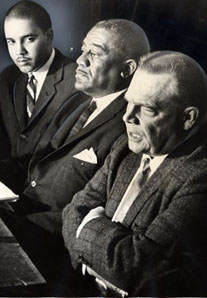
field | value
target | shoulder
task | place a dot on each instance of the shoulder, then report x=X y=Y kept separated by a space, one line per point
x=10 y=73
x=120 y=152
x=66 y=62
x=189 y=169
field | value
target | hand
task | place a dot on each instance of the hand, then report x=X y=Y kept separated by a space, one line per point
x=93 y=213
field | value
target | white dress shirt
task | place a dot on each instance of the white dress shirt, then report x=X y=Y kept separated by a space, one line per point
x=102 y=103
x=124 y=205
x=41 y=74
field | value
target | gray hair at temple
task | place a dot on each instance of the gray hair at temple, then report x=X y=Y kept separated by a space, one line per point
x=129 y=39
x=30 y=10
x=190 y=88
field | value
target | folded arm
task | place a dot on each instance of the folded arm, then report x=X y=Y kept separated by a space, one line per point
x=127 y=256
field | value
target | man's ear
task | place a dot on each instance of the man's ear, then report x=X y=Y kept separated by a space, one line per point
x=129 y=68
x=49 y=34
x=190 y=117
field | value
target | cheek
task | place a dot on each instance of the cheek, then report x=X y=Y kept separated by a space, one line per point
x=37 y=49
x=96 y=70
x=11 y=51
x=151 y=132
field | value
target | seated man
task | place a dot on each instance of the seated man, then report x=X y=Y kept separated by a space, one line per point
x=139 y=226
x=31 y=90
x=76 y=144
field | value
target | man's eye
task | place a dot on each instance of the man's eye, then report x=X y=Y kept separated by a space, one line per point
x=93 y=54
x=149 y=111
x=10 y=42
x=30 y=39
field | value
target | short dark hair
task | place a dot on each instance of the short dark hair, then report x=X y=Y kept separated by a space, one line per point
x=132 y=40
x=190 y=78
x=30 y=10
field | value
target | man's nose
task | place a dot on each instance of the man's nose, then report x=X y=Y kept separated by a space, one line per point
x=129 y=116
x=83 y=60
x=20 y=49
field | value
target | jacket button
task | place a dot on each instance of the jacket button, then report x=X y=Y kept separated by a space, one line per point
x=23 y=136
x=33 y=183
x=80 y=258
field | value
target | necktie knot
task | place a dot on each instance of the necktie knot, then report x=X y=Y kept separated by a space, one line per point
x=92 y=107
x=146 y=165
x=32 y=80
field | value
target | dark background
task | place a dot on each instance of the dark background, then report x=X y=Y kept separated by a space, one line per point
x=179 y=25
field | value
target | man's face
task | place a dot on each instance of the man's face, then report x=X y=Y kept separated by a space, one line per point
x=28 y=46
x=99 y=65
x=153 y=122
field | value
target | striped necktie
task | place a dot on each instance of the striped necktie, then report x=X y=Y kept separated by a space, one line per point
x=31 y=94
x=132 y=191
x=82 y=119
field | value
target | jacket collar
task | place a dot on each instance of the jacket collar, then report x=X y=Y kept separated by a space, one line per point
x=54 y=76
x=169 y=166
x=108 y=113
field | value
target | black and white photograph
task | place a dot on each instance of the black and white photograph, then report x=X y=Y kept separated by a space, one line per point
x=103 y=148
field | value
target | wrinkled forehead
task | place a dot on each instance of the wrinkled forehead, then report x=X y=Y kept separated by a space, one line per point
x=99 y=37
x=150 y=87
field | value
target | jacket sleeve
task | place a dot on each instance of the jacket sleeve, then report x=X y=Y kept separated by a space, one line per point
x=125 y=255
x=5 y=147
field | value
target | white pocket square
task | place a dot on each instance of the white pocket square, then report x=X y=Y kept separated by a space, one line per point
x=87 y=155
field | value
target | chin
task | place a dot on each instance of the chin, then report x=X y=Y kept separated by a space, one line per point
x=137 y=147
x=79 y=86
x=25 y=69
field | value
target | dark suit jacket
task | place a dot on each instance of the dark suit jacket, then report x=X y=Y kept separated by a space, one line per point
x=161 y=247
x=18 y=136
x=58 y=174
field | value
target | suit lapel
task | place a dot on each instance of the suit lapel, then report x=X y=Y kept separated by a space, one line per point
x=107 y=114
x=123 y=178
x=151 y=187
x=19 y=97
x=62 y=132
x=46 y=95
x=155 y=182
x=50 y=86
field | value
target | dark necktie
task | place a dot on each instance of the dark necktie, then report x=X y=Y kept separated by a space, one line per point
x=31 y=93
x=82 y=119
x=133 y=191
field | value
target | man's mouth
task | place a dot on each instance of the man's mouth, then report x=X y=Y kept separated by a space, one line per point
x=80 y=72
x=135 y=136
x=22 y=60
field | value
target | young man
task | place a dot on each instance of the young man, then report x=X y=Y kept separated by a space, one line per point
x=31 y=90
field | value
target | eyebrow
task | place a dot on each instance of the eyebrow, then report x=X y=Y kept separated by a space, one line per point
x=102 y=48
x=25 y=36
x=142 y=104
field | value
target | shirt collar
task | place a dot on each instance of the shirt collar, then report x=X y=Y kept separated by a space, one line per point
x=155 y=161
x=102 y=102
